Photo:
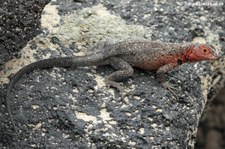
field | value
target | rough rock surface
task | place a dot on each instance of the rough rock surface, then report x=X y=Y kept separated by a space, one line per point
x=211 y=130
x=19 y=23
x=70 y=108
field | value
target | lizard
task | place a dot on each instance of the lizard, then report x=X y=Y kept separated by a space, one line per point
x=123 y=56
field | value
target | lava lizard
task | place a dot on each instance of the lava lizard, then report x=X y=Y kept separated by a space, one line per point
x=147 y=55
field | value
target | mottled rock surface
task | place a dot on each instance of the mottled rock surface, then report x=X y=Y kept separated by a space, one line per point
x=70 y=108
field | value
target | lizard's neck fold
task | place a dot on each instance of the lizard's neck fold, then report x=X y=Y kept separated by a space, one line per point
x=188 y=49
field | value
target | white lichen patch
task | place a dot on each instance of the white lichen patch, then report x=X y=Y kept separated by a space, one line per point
x=15 y=65
x=35 y=107
x=213 y=38
x=50 y=18
x=199 y=40
x=91 y=25
x=100 y=82
x=104 y=115
x=85 y=117
x=142 y=130
x=38 y=126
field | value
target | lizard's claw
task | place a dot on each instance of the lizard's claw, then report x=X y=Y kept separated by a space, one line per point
x=166 y=85
x=118 y=86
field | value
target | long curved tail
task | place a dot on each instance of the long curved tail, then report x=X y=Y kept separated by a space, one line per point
x=80 y=61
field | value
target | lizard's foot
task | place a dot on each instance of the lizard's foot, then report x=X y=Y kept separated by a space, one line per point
x=118 y=86
x=169 y=87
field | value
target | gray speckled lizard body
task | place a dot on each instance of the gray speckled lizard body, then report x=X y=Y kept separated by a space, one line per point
x=147 y=55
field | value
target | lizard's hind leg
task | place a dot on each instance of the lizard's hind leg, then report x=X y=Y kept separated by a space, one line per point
x=124 y=70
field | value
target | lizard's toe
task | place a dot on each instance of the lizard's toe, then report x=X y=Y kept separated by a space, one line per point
x=169 y=86
x=118 y=86
x=166 y=85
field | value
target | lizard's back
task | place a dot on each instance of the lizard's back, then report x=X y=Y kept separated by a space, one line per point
x=149 y=55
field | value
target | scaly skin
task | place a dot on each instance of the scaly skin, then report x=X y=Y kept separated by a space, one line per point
x=147 y=55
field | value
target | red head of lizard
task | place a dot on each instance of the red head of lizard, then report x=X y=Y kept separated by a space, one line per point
x=198 y=52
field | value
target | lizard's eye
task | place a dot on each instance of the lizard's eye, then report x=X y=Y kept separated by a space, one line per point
x=205 y=50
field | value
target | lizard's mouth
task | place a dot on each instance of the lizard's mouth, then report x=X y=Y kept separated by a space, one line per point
x=202 y=57
x=211 y=57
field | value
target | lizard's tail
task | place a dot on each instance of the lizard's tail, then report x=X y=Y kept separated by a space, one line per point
x=65 y=62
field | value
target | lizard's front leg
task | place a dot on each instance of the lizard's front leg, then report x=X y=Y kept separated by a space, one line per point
x=161 y=74
x=124 y=70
